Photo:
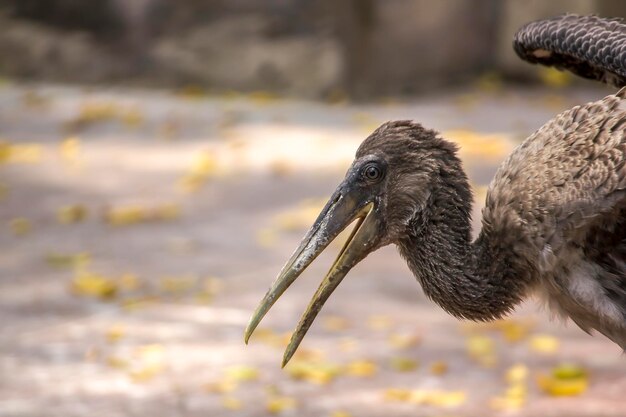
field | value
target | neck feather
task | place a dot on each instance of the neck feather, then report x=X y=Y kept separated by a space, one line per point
x=481 y=280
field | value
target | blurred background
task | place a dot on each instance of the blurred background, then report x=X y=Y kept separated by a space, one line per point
x=160 y=160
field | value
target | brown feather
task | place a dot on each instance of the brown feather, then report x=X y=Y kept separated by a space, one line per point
x=566 y=184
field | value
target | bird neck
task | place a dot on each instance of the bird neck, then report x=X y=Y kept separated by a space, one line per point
x=481 y=280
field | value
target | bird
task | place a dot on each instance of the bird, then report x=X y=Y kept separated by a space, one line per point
x=554 y=219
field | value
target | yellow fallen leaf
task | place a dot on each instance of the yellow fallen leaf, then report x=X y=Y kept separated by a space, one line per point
x=404 y=364
x=117 y=362
x=145 y=373
x=281 y=168
x=203 y=167
x=482 y=350
x=72 y=214
x=397 y=394
x=212 y=285
x=272 y=389
x=284 y=339
x=70 y=149
x=266 y=238
x=544 y=344
x=104 y=111
x=276 y=405
x=517 y=373
x=565 y=380
x=242 y=373
x=515 y=395
x=378 y=322
x=94 y=111
x=209 y=288
x=553 y=77
x=150 y=353
x=348 y=344
x=20 y=226
x=221 y=387
x=266 y=335
x=122 y=216
x=516 y=390
x=203 y=298
x=439 y=368
x=313 y=371
x=20 y=153
x=480 y=146
x=192 y=92
x=137 y=303
x=133 y=213
x=87 y=283
x=340 y=413
x=167 y=211
x=5 y=151
x=177 y=285
x=445 y=399
x=404 y=340
x=513 y=330
x=362 y=368
x=115 y=333
x=131 y=117
x=232 y=403
x=435 y=398
x=568 y=371
x=562 y=387
x=74 y=260
x=263 y=97
x=335 y=323
x=128 y=282
x=504 y=403
x=150 y=362
x=311 y=355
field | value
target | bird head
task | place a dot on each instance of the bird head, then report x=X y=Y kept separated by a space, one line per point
x=386 y=193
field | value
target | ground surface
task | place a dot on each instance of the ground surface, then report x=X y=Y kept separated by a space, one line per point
x=191 y=204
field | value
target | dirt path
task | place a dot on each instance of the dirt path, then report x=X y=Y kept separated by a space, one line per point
x=139 y=230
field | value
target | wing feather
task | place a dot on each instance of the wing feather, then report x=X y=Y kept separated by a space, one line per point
x=564 y=188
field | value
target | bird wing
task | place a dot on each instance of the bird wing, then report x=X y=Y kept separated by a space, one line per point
x=590 y=46
x=563 y=190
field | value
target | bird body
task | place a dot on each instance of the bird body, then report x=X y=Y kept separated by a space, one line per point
x=554 y=220
x=565 y=189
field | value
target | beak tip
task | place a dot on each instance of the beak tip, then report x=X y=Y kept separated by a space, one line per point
x=285 y=361
x=249 y=330
x=288 y=354
x=247 y=333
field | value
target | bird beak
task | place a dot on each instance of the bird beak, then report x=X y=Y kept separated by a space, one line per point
x=347 y=204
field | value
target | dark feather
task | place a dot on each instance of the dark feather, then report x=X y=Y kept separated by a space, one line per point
x=589 y=46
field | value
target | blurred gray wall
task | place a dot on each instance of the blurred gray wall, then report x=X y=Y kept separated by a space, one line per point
x=311 y=48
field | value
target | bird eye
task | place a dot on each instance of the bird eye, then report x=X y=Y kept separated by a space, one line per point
x=372 y=172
